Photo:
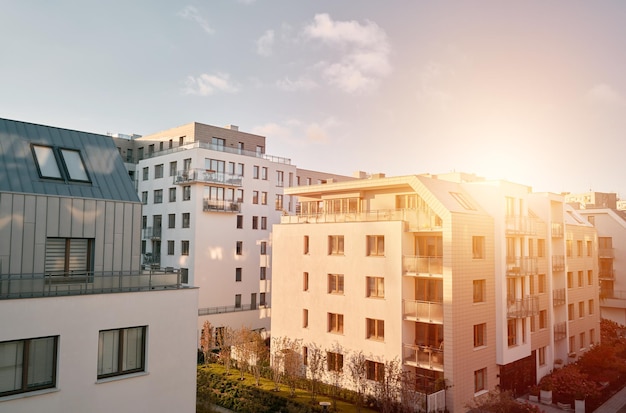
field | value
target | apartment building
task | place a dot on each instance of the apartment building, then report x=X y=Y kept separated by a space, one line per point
x=210 y=197
x=83 y=327
x=461 y=279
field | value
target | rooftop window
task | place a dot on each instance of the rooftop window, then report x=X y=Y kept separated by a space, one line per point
x=60 y=163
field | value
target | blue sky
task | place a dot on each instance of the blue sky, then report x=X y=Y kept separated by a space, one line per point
x=530 y=91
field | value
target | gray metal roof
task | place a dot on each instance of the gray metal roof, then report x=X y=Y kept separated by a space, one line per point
x=19 y=172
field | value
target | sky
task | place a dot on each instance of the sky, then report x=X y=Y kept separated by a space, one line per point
x=529 y=91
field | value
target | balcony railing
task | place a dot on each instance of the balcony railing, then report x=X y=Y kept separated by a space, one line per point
x=425 y=311
x=522 y=307
x=207 y=176
x=606 y=253
x=151 y=233
x=558 y=263
x=521 y=266
x=416 y=220
x=606 y=274
x=520 y=225
x=558 y=297
x=612 y=294
x=219 y=205
x=423 y=356
x=86 y=282
x=422 y=265
x=219 y=148
x=560 y=331
x=231 y=309
x=557 y=230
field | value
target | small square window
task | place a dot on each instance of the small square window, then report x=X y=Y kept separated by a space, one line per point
x=121 y=351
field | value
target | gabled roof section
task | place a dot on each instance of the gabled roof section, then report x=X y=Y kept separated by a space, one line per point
x=20 y=171
x=572 y=217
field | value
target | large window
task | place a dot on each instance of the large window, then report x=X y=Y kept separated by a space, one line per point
x=46 y=162
x=375 y=329
x=27 y=365
x=335 y=361
x=335 y=283
x=375 y=287
x=158 y=171
x=121 y=351
x=69 y=161
x=375 y=245
x=335 y=245
x=158 y=196
x=480 y=380
x=335 y=323
x=68 y=256
x=375 y=370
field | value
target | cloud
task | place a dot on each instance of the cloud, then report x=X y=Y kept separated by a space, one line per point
x=265 y=43
x=296 y=132
x=363 y=51
x=208 y=84
x=302 y=83
x=604 y=94
x=191 y=13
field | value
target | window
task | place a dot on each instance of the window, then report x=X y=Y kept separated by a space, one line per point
x=239 y=221
x=121 y=351
x=185 y=220
x=239 y=248
x=511 y=327
x=541 y=247
x=263 y=247
x=335 y=245
x=158 y=171
x=263 y=222
x=144 y=197
x=583 y=342
x=238 y=274
x=306 y=244
x=568 y=247
x=255 y=172
x=478 y=247
x=305 y=281
x=531 y=247
x=570 y=312
x=335 y=283
x=240 y=169
x=184 y=248
x=264 y=173
x=186 y=193
x=305 y=355
x=591 y=307
x=479 y=287
x=335 y=361
x=589 y=277
x=480 y=380
x=262 y=273
x=158 y=196
x=171 y=220
x=581 y=309
x=541 y=283
x=570 y=279
x=542 y=356
x=376 y=245
x=173 y=168
x=375 y=329
x=145 y=173
x=589 y=249
x=531 y=283
x=305 y=318
x=280 y=178
x=580 y=279
x=592 y=336
x=480 y=335
x=255 y=222
x=543 y=319
x=279 y=202
x=255 y=197
x=263 y=198
x=28 y=365
x=262 y=301
x=375 y=287
x=308 y=181
x=533 y=326
x=572 y=344
x=172 y=194
x=375 y=371
x=68 y=256
x=463 y=201
x=237 y=300
x=335 y=323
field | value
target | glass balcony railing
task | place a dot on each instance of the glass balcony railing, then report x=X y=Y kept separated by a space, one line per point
x=560 y=331
x=151 y=232
x=207 y=176
x=557 y=230
x=558 y=263
x=522 y=307
x=606 y=274
x=558 y=297
x=423 y=356
x=422 y=265
x=218 y=148
x=606 y=253
x=520 y=225
x=425 y=311
x=521 y=266
x=219 y=205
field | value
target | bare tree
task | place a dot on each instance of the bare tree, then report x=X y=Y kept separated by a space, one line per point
x=225 y=336
x=316 y=360
x=410 y=398
x=243 y=349
x=260 y=356
x=357 y=367
x=206 y=340
x=334 y=361
x=277 y=361
x=292 y=363
x=387 y=387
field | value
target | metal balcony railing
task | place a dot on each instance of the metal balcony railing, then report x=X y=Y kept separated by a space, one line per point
x=558 y=297
x=422 y=265
x=560 y=331
x=558 y=263
x=219 y=205
x=557 y=230
x=219 y=148
x=425 y=311
x=521 y=266
x=207 y=176
x=423 y=356
x=54 y=284
x=612 y=294
x=522 y=307
x=151 y=233
x=520 y=225
x=607 y=274
x=231 y=308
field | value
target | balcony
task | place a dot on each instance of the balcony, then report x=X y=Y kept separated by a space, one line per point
x=207 y=177
x=414 y=265
x=220 y=205
x=231 y=309
x=606 y=274
x=424 y=311
x=558 y=297
x=558 y=263
x=560 y=331
x=423 y=357
x=219 y=148
x=151 y=233
x=520 y=225
x=522 y=307
x=557 y=230
x=416 y=220
x=521 y=266
x=86 y=282
x=606 y=253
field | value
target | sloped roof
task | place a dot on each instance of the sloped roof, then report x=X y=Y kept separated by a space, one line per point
x=18 y=167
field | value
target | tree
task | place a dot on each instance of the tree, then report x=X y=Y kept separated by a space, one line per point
x=260 y=355
x=316 y=359
x=387 y=388
x=244 y=350
x=225 y=339
x=334 y=362
x=357 y=366
x=570 y=384
x=206 y=340
x=277 y=362
x=292 y=362
x=500 y=402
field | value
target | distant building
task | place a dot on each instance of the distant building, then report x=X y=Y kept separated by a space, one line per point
x=84 y=328
x=210 y=198
x=592 y=199
x=476 y=283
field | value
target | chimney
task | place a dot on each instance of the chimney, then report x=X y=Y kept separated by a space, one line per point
x=232 y=127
